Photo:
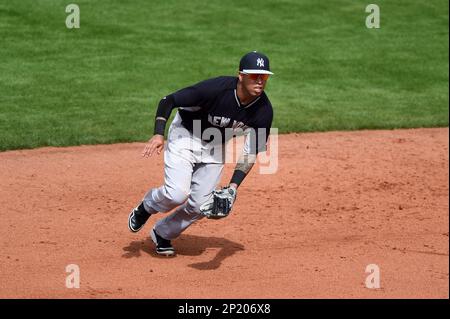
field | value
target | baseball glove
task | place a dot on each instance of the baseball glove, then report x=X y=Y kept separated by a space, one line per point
x=220 y=203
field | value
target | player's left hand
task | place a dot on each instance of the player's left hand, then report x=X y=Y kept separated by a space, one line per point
x=220 y=203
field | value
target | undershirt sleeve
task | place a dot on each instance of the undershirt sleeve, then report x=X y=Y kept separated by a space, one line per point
x=165 y=107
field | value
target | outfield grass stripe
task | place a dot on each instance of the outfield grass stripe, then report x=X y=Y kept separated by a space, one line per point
x=101 y=83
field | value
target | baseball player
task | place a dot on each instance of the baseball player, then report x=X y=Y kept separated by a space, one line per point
x=209 y=114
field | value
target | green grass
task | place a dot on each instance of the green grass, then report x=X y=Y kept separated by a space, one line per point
x=101 y=83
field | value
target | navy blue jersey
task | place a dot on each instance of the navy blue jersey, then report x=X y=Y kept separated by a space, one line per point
x=215 y=103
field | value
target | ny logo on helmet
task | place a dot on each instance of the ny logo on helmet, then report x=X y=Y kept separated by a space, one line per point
x=260 y=62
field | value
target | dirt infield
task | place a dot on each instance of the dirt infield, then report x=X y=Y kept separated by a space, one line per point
x=339 y=202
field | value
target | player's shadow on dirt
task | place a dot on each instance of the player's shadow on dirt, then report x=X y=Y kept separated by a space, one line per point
x=189 y=245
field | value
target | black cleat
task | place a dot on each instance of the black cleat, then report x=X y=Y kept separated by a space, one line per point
x=138 y=217
x=163 y=246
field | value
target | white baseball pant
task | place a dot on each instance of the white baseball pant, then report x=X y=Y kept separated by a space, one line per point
x=191 y=173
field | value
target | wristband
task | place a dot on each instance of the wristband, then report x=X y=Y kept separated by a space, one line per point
x=238 y=177
x=160 y=127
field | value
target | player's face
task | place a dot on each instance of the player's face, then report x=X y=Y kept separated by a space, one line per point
x=254 y=84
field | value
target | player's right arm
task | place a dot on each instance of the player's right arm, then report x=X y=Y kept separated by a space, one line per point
x=156 y=143
x=187 y=97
